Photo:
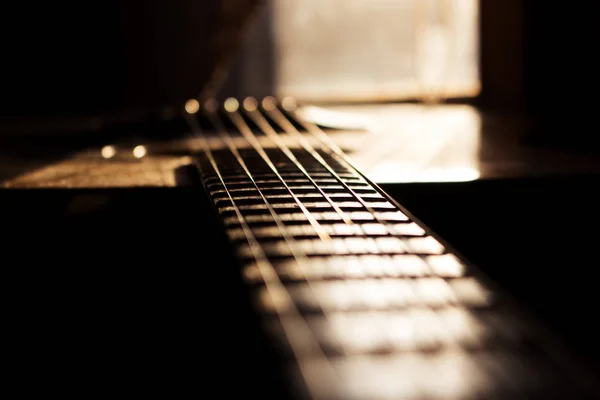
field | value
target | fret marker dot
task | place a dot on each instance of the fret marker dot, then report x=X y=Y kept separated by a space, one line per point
x=192 y=106
x=231 y=104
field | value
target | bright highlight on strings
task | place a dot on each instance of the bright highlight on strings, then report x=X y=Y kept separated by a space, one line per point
x=231 y=104
x=192 y=106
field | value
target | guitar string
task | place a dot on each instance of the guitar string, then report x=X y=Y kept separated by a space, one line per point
x=267 y=129
x=210 y=113
x=269 y=105
x=340 y=156
x=295 y=327
x=239 y=121
x=243 y=127
x=302 y=260
x=329 y=145
x=251 y=107
x=251 y=138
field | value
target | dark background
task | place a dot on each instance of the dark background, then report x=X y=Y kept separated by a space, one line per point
x=537 y=59
x=79 y=58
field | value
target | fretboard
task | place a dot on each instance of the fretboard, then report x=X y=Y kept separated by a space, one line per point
x=361 y=300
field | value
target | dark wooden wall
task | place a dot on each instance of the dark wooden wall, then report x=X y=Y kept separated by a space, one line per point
x=501 y=54
x=539 y=56
x=67 y=57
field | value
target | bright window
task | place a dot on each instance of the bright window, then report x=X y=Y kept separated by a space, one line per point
x=360 y=50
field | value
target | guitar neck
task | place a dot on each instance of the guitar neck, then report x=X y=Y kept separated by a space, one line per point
x=360 y=299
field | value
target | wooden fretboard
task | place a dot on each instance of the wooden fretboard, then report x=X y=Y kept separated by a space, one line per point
x=360 y=299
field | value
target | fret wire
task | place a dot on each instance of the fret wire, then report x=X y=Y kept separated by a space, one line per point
x=268 y=130
x=234 y=150
x=251 y=138
x=330 y=146
x=335 y=151
x=297 y=253
x=260 y=120
x=273 y=284
x=280 y=119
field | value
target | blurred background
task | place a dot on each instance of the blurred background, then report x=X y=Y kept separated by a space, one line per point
x=359 y=51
